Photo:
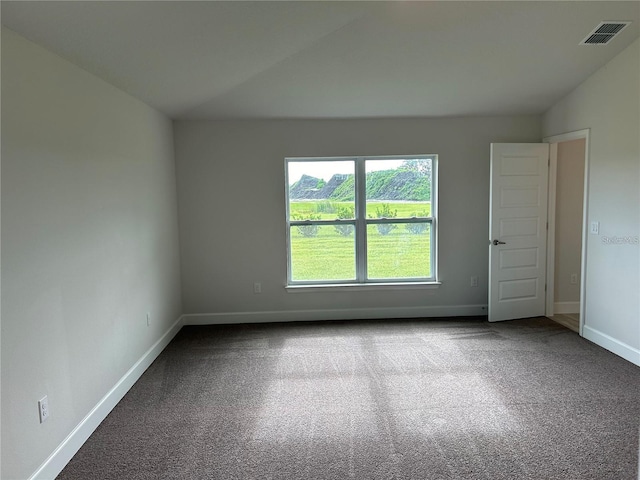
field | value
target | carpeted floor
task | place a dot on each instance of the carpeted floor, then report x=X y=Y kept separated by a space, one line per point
x=393 y=399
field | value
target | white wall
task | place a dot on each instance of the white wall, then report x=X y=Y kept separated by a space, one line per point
x=608 y=103
x=569 y=200
x=89 y=244
x=231 y=197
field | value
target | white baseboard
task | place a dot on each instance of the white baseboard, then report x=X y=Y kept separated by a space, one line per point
x=334 y=314
x=53 y=465
x=616 y=346
x=566 y=307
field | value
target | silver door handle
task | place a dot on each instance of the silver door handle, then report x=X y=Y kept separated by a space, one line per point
x=498 y=242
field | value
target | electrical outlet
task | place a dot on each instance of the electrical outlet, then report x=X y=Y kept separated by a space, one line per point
x=43 y=408
x=574 y=278
x=148 y=319
x=257 y=287
x=474 y=281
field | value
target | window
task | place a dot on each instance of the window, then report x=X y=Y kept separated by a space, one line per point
x=361 y=220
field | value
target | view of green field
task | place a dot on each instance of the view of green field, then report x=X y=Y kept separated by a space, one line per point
x=327 y=210
x=325 y=254
x=396 y=189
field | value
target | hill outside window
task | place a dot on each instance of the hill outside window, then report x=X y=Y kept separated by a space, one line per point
x=361 y=220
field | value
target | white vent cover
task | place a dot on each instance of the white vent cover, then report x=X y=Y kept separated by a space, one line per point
x=603 y=33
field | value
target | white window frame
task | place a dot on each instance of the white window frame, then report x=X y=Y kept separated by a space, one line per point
x=360 y=225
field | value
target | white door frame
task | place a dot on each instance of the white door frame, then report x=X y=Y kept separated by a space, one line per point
x=551 y=232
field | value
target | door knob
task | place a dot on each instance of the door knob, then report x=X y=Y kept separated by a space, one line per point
x=498 y=242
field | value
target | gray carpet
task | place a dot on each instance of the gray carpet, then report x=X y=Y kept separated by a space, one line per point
x=393 y=399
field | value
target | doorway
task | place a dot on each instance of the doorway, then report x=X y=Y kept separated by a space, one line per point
x=566 y=260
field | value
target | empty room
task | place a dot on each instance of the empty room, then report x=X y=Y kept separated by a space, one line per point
x=320 y=240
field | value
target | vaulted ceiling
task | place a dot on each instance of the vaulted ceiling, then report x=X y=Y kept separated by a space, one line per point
x=331 y=59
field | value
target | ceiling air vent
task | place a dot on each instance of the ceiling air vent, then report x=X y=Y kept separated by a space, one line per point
x=603 y=33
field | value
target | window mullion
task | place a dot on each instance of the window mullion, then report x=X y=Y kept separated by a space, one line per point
x=361 y=224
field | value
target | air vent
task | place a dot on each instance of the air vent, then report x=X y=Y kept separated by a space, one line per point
x=603 y=33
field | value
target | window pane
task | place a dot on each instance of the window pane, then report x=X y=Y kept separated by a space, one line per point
x=323 y=252
x=399 y=250
x=321 y=190
x=398 y=188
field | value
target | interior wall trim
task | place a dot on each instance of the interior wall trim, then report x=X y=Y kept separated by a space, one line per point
x=566 y=307
x=334 y=314
x=54 y=464
x=613 y=345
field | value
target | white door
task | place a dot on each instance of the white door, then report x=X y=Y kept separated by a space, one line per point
x=518 y=230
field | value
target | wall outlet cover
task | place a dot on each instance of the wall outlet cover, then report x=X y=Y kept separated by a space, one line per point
x=43 y=408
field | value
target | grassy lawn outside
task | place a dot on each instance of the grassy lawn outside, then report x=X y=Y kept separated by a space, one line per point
x=330 y=256
x=327 y=209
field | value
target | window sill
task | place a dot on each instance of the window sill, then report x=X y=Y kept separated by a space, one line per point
x=342 y=287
